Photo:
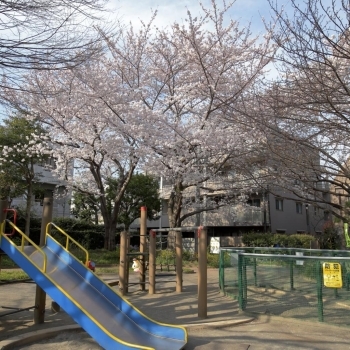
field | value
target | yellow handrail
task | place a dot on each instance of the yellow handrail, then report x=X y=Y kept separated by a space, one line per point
x=68 y=238
x=24 y=239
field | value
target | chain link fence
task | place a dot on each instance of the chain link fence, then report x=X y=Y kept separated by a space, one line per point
x=305 y=284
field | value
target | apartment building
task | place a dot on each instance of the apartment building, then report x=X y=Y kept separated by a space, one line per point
x=47 y=182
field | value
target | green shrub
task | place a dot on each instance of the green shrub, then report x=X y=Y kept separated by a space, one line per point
x=300 y=241
x=166 y=257
x=188 y=256
x=213 y=260
x=256 y=239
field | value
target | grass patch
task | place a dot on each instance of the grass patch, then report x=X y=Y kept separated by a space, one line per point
x=6 y=262
x=106 y=270
x=13 y=275
x=100 y=256
x=187 y=270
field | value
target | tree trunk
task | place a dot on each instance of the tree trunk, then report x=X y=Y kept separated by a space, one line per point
x=110 y=217
x=113 y=228
x=110 y=233
x=110 y=223
x=174 y=213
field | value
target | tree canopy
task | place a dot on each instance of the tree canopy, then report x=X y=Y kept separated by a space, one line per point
x=306 y=108
x=167 y=101
x=23 y=144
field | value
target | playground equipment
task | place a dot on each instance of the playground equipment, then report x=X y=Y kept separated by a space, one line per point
x=202 y=261
x=109 y=318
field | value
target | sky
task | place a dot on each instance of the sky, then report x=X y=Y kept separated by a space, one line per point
x=245 y=11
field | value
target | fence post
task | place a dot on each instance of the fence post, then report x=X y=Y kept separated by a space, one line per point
x=255 y=274
x=240 y=282
x=222 y=271
x=319 y=291
x=245 y=287
x=291 y=275
x=202 y=272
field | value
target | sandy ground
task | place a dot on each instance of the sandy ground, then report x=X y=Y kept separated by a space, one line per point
x=68 y=341
x=265 y=333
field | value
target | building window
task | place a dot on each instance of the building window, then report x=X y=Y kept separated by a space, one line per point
x=299 y=208
x=254 y=202
x=279 y=204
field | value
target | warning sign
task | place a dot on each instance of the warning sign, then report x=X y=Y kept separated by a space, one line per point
x=332 y=275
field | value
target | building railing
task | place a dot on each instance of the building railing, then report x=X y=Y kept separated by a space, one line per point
x=252 y=215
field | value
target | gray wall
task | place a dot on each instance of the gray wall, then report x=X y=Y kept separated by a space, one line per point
x=309 y=221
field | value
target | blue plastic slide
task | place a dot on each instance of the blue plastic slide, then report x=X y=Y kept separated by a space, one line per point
x=109 y=318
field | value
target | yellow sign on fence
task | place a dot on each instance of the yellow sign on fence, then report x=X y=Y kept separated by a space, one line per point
x=332 y=275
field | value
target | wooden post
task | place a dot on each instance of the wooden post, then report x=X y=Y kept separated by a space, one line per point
x=40 y=295
x=178 y=248
x=143 y=248
x=152 y=263
x=123 y=263
x=127 y=264
x=202 y=272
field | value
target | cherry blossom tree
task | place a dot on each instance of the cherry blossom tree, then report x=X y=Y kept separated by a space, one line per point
x=96 y=125
x=306 y=108
x=195 y=77
x=47 y=34
x=167 y=101
x=23 y=144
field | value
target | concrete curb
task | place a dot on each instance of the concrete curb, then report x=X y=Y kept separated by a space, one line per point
x=37 y=336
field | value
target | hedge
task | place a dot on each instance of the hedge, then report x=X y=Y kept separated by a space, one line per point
x=254 y=239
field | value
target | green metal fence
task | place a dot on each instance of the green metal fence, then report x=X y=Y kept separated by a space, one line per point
x=290 y=283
